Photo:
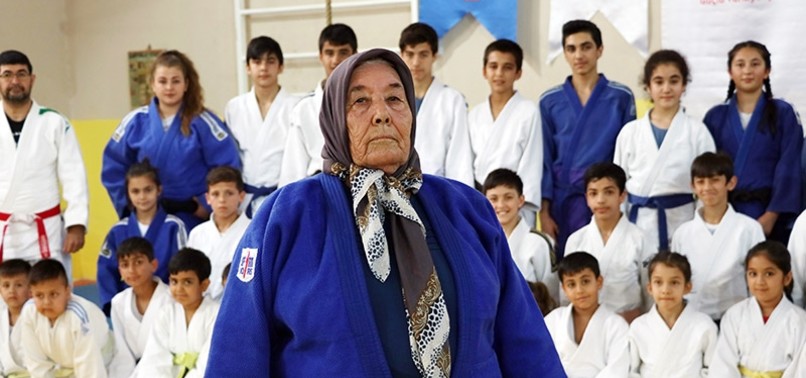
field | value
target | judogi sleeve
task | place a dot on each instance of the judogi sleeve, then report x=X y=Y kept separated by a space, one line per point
x=710 y=340
x=157 y=360
x=797 y=247
x=725 y=361
x=549 y=153
x=72 y=177
x=87 y=358
x=123 y=362
x=530 y=167
x=117 y=159
x=459 y=158
x=787 y=177
x=618 y=355
x=36 y=361
x=295 y=157
x=108 y=276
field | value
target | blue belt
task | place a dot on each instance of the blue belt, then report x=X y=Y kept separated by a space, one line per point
x=661 y=203
x=257 y=191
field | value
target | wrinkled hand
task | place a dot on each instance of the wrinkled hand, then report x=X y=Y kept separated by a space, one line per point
x=767 y=221
x=201 y=211
x=74 y=239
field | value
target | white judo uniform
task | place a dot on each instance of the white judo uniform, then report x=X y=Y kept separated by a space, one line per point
x=797 y=249
x=78 y=344
x=303 y=148
x=657 y=171
x=11 y=354
x=603 y=351
x=717 y=260
x=132 y=330
x=442 y=140
x=219 y=247
x=746 y=341
x=47 y=158
x=621 y=262
x=798 y=366
x=170 y=337
x=514 y=141
x=532 y=256
x=261 y=141
x=684 y=351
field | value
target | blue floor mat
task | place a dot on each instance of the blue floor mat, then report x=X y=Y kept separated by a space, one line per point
x=89 y=292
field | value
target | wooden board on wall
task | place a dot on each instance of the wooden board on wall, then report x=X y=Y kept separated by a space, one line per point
x=139 y=66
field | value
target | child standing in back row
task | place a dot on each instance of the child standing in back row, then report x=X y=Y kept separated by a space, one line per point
x=672 y=339
x=656 y=152
x=761 y=335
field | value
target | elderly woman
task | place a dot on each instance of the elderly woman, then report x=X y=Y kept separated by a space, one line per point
x=371 y=268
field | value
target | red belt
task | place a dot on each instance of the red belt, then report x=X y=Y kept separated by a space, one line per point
x=39 y=218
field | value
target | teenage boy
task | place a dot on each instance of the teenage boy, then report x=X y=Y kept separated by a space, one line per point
x=505 y=129
x=135 y=309
x=218 y=237
x=620 y=246
x=15 y=292
x=590 y=339
x=442 y=141
x=259 y=120
x=530 y=250
x=716 y=241
x=63 y=335
x=303 y=149
x=581 y=119
x=180 y=339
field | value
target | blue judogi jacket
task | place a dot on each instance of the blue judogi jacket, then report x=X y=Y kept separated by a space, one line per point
x=166 y=233
x=574 y=137
x=296 y=302
x=182 y=161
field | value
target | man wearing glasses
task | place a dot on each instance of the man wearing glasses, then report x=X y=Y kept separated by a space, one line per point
x=39 y=154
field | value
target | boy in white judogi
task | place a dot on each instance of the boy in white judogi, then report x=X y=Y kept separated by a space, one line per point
x=219 y=237
x=658 y=174
x=505 y=129
x=260 y=119
x=180 y=339
x=797 y=247
x=303 y=150
x=134 y=310
x=15 y=292
x=531 y=251
x=620 y=246
x=672 y=340
x=590 y=339
x=63 y=335
x=40 y=156
x=442 y=140
x=717 y=239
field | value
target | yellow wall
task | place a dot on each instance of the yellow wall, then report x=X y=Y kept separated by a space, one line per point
x=93 y=135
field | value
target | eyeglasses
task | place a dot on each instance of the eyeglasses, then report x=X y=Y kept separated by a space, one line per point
x=21 y=75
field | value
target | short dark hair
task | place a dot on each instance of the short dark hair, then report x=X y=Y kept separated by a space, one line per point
x=136 y=246
x=14 y=267
x=576 y=262
x=189 y=259
x=46 y=270
x=711 y=164
x=225 y=272
x=338 y=34
x=666 y=57
x=671 y=259
x=225 y=173
x=418 y=33
x=598 y=171
x=503 y=177
x=15 y=57
x=263 y=45
x=582 y=26
x=505 y=46
x=778 y=255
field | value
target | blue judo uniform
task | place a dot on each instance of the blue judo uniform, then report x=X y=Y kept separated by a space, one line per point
x=767 y=165
x=297 y=291
x=574 y=137
x=166 y=233
x=182 y=161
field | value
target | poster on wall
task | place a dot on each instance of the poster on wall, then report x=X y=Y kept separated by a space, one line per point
x=705 y=30
x=139 y=65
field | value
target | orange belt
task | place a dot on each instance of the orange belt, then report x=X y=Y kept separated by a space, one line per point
x=39 y=218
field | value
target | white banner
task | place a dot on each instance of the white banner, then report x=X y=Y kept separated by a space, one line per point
x=629 y=17
x=705 y=30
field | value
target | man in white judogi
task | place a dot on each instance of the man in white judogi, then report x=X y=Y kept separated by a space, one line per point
x=661 y=174
x=303 y=150
x=259 y=121
x=442 y=139
x=505 y=129
x=40 y=154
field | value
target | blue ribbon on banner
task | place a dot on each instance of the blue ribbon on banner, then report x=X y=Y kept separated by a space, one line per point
x=500 y=17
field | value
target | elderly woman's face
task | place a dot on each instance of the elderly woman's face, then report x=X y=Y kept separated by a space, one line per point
x=378 y=118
